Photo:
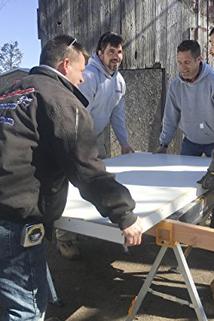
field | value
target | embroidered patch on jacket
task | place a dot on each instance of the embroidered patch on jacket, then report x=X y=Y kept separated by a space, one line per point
x=8 y=106
x=6 y=120
x=24 y=101
x=17 y=93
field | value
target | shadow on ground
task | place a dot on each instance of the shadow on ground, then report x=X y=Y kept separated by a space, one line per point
x=101 y=285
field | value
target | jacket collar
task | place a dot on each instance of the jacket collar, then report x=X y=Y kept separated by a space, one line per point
x=55 y=74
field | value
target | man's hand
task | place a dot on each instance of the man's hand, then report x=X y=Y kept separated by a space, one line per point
x=126 y=149
x=133 y=233
x=162 y=149
x=207 y=181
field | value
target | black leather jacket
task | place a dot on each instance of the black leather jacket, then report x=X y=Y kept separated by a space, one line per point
x=46 y=139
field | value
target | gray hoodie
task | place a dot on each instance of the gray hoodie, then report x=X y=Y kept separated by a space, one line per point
x=190 y=106
x=105 y=94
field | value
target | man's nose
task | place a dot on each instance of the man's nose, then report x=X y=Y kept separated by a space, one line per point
x=182 y=68
x=116 y=56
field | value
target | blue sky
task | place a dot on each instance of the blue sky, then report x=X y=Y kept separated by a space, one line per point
x=18 y=22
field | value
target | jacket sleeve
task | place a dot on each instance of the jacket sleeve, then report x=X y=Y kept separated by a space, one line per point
x=89 y=87
x=118 y=123
x=171 y=118
x=73 y=142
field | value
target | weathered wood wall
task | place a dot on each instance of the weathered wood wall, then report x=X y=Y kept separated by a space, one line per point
x=152 y=29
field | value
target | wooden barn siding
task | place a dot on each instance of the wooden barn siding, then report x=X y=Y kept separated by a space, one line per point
x=152 y=29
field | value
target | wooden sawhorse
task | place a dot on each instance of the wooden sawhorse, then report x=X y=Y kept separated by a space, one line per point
x=170 y=234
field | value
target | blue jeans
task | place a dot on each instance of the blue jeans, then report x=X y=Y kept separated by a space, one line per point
x=193 y=149
x=23 y=281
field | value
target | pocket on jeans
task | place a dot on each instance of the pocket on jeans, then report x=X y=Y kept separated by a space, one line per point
x=5 y=240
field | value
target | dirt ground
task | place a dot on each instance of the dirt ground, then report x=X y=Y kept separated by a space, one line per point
x=101 y=285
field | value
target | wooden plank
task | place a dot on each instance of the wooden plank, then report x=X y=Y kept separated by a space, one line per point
x=172 y=37
x=161 y=32
x=187 y=21
x=68 y=17
x=60 y=13
x=139 y=34
x=42 y=21
x=45 y=22
x=78 y=18
x=85 y=37
x=128 y=32
x=149 y=33
x=94 y=25
x=105 y=16
x=189 y=234
x=52 y=16
x=116 y=16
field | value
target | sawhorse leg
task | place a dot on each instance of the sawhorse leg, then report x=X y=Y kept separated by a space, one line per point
x=53 y=295
x=146 y=285
x=184 y=269
x=193 y=293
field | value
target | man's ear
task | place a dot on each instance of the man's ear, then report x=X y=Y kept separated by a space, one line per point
x=63 y=66
x=99 y=53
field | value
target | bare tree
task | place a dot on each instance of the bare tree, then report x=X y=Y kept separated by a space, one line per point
x=10 y=56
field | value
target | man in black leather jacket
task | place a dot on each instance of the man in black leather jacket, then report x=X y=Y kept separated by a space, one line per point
x=46 y=140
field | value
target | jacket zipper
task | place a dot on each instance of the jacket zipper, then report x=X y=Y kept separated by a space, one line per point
x=76 y=123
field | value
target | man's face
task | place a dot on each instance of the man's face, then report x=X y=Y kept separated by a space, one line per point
x=74 y=69
x=188 y=66
x=212 y=45
x=111 y=57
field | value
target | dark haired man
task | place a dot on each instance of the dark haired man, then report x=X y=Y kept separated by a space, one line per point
x=190 y=104
x=207 y=181
x=46 y=139
x=104 y=88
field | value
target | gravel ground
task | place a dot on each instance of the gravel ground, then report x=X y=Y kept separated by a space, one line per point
x=101 y=285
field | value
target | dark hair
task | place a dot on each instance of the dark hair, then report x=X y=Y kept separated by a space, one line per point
x=58 y=48
x=190 y=45
x=211 y=32
x=109 y=38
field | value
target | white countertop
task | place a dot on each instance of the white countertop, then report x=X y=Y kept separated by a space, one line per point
x=159 y=183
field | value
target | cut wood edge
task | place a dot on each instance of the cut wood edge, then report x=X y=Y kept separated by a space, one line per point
x=168 y=232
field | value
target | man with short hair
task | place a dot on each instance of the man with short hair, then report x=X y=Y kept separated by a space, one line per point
x=104 y=88
x=46 y=140
x=207 y=181
x=190 y=104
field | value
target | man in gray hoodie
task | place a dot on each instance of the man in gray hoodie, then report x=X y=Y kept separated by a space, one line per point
x=190 y=103
x=207 y=181
x=104 y=88
x=190 y=106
